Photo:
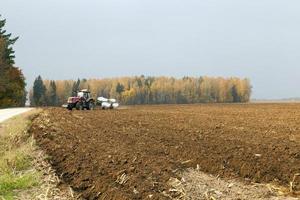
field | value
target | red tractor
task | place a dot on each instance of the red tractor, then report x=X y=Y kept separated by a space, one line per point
x=82 y=101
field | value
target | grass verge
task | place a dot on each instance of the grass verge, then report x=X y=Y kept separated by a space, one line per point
x=17 y=172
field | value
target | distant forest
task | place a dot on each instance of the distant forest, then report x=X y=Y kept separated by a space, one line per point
x=145 y=90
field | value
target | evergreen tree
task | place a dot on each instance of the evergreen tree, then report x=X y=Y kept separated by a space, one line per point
x=8 y=54
x=53 y=100
x=235 y=95
x=75 y=87
x=39 y=91
x=119 y=88
x=12 y=81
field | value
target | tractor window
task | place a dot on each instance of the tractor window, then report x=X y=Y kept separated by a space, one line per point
x=80 y=94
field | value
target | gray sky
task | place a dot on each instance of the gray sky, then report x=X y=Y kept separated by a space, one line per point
x=66 y=39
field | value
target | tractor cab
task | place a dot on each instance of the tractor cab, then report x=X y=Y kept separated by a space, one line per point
x=84 y=94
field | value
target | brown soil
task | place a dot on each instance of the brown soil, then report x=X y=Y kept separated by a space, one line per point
x=132 y=153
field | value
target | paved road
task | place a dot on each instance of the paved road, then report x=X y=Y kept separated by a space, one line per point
x=10 y=112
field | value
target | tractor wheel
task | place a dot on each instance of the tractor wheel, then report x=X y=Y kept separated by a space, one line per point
x=91 y=106
x=79 y=106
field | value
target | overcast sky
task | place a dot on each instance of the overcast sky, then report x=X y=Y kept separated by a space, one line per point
x=67 y=39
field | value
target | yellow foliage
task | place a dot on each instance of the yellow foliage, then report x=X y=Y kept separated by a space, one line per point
x=156 y=90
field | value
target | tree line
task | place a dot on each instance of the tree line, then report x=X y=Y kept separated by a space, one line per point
x=12 y=81
x=145 y=90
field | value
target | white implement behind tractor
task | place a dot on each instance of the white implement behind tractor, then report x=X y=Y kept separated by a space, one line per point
x=107 y=103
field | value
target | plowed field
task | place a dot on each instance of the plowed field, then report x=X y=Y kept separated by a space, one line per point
x=132 y=153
